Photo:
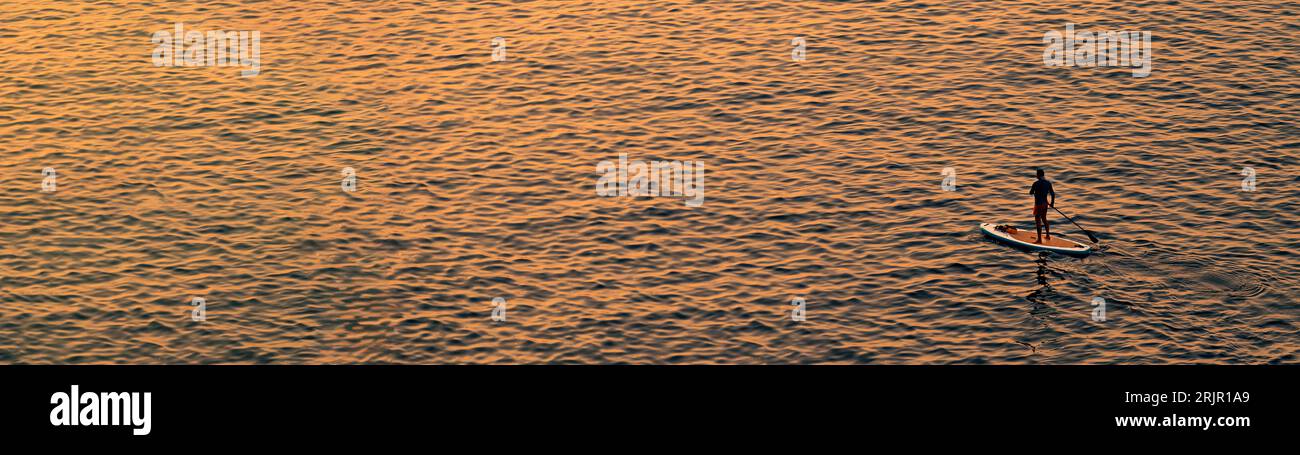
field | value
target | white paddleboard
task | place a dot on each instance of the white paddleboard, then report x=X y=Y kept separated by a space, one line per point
x=1024 y=238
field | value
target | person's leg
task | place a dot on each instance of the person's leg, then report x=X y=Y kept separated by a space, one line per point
x=1047 y=227
x=1038 y=226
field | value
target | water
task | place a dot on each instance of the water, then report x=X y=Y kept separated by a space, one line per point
x=476 y=180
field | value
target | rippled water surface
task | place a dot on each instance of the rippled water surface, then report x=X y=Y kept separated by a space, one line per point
x=476 y=180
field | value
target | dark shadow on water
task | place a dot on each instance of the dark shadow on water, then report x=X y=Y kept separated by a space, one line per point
x=1042 y=269
x=1041 y=295
x=1040 y=313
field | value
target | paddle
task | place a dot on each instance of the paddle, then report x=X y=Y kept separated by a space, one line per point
x=1085 y=231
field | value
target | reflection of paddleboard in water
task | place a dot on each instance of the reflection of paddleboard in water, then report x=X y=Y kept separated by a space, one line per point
x=1025 y=239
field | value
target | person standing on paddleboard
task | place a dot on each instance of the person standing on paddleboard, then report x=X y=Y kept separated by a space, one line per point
x=1040 y=190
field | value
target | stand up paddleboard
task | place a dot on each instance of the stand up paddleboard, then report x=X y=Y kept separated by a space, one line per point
x=1024 y=238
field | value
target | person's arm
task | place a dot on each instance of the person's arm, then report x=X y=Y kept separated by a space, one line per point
x=1052 y=191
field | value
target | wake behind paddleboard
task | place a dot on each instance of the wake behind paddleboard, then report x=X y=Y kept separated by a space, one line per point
x=1024 y=238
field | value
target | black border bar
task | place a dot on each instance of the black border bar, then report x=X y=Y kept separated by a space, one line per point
x=234 y=404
